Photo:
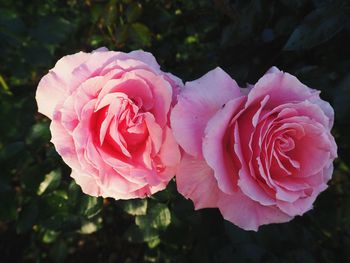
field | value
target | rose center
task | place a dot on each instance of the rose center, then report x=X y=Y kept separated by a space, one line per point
x=285 y=143
x=119 y=127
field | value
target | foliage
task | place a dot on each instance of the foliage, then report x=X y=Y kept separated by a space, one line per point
x=44 y=216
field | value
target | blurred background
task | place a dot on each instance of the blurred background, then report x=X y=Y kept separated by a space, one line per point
x=44 y=217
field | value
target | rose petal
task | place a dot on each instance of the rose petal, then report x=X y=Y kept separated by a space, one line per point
x=162 y=94
x=87 y=183
x=248 y=214
x=63 y=142
x=215 y=148
x=169 y=152
x=53 y=88
x=155 y=132
x=312 y=151
x=281 y=87
x=197 y=103
x=195 y=180
x=146 y=58
x=132 y=86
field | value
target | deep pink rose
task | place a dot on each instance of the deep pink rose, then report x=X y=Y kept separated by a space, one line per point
x=110 y=121
x=260 y=158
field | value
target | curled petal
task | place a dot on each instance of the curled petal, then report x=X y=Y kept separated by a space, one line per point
x=87 y=183
x=197 y=103
x=248 y=214
x=169 y=152
x=63 y=142
x=146 y=58
x=195 y=180
x=282 y=88
x=216 y=151
x=53 y=88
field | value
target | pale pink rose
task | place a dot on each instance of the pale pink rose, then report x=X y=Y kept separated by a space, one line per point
x=110 y=121
x=261 y=157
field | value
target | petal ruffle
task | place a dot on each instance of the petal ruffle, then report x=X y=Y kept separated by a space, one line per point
x=248 y=214
x=195 y=180
x=197 y=103
x=53 y=88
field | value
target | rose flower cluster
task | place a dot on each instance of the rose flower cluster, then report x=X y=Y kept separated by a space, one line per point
x=259 y=154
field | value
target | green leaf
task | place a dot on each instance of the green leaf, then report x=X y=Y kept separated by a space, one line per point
x=5 y=184
x=341 y=100
x=11 y=30
x=96 y=40
x=74 y=192
x=52 y=181
x=51 y=30
x=12 y=150
x=32 y=177
x=136 y=235
x=27 y=217
x=39 y=56
x=59 y=252
x=235 y=234
x=149 y=234
x=91 y=206
x=62 y=222
x=109 y=14
x=122 y=34
x=318 y=27
x=158 y=217
x=135 y=207
x=140 y=34
x=170 y=192
x=96 y=12
x=89 y=227
x=39 y=133
x=153 y=242
x=148 y=226
x=56 y=202
x=133 y=12
x=48 y=236
x=9 y=210
x=243 y=28
x=4 y=87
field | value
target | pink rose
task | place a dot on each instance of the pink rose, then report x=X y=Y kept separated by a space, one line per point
x=110 y=121
x=260 y=158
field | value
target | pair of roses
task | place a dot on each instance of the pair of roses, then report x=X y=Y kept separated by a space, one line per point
x=260 y=154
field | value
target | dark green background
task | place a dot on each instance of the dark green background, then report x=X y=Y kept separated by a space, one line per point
x=44 y=217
